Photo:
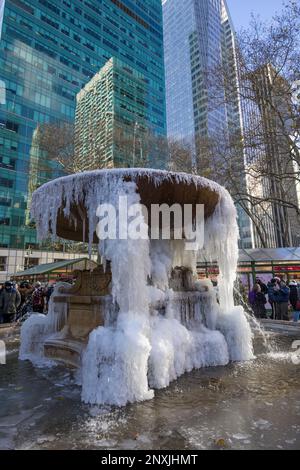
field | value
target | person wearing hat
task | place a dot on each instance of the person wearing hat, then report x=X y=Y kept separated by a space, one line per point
x=10 y=299
x=293 y=294
x=38 y=298
x=281 y=297
x=25 y=290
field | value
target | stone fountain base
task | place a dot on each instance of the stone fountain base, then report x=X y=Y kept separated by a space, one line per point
x=286 y=328
x=87 y=304
x=65 y=350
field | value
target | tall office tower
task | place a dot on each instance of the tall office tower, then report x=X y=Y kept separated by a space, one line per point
x=273 y=97
x=115 y=135
x=199 y=35
x=49 y=50
x=255 y=155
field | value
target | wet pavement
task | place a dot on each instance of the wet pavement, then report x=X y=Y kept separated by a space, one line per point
x=253 y=405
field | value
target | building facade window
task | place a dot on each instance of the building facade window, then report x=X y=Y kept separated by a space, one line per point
x=3 y=263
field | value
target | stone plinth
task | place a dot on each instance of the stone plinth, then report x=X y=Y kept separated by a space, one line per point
x=87 y=302
x=288 y=328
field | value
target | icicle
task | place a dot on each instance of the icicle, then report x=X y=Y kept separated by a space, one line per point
x=152 y=333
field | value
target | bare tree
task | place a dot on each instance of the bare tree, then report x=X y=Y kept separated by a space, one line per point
x=180 y=156
x=259 y=160
x=57 y=141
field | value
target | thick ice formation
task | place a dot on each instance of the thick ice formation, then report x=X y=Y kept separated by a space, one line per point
x=115 y=363
x=102 y=187
x=38 y=327
x=160 y=332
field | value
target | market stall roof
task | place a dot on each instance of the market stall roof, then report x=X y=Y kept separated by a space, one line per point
x=42 y=269
x=264 y=255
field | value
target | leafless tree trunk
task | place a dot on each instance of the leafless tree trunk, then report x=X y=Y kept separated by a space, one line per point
x=264 y=152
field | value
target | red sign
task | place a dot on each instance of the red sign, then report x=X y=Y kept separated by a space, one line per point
x=287 y=268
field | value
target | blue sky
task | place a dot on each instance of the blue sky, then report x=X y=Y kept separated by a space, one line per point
x=241 y=10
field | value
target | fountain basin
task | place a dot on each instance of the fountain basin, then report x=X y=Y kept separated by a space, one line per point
x=286 y=328
x=72 y=220
x=65 y=350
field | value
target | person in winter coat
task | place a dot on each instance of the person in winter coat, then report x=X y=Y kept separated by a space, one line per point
x=25 y=290
x=271 y=298
x=258 y=302
x=294 y=294
x=262 y=286
x=281 y=297
x=295 y=300
x=10 y=299
x=38 y=298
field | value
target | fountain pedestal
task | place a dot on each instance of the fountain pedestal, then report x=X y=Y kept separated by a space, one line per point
x=86 y=304
x=89 y=301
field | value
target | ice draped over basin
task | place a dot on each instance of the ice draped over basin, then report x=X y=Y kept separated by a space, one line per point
x=66 y=206
x=155 y=320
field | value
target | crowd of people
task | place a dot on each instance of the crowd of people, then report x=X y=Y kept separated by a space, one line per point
x=16 y=301
x=282 y=297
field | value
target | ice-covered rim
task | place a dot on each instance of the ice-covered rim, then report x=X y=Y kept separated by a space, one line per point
x=66 y=206
x=157 y=176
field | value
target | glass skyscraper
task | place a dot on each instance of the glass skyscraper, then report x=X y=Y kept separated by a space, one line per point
x=193 y=34
x=198 y=35
x=116 y=135
x=49 y=50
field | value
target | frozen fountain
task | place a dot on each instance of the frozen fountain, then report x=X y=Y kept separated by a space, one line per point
x=143 y=318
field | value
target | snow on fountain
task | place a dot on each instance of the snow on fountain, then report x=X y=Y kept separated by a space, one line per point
x=161 y=330
x=38 y=327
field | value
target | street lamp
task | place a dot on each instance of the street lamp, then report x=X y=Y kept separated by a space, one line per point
x=134 y=138
x=136 y=127
x=109 y=113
